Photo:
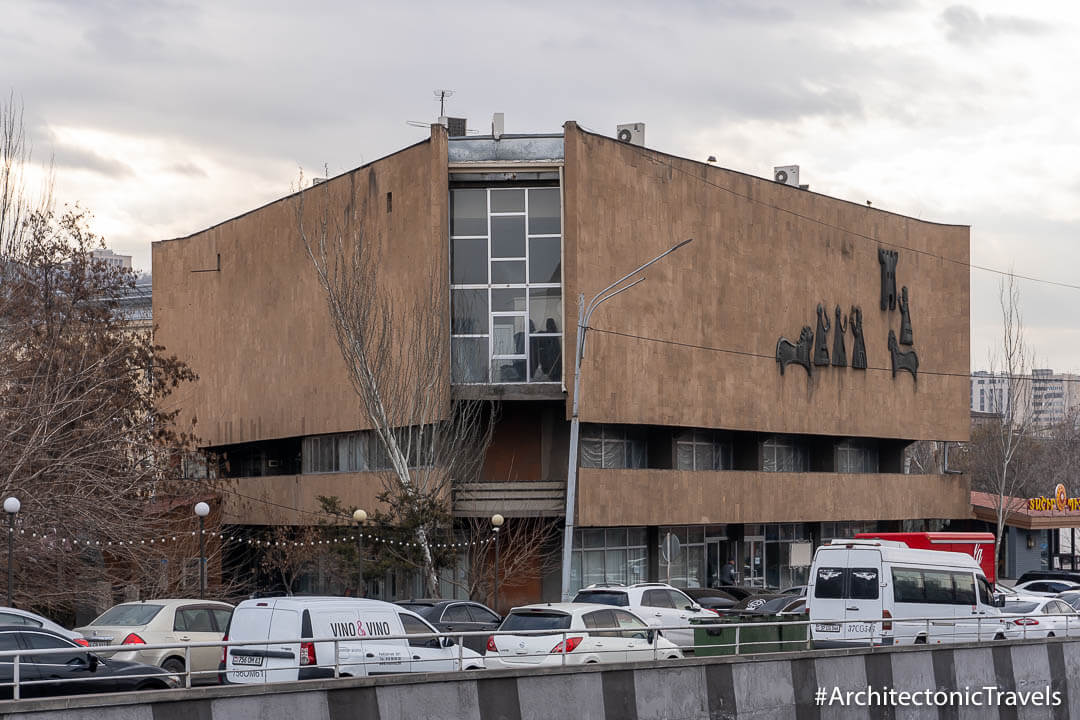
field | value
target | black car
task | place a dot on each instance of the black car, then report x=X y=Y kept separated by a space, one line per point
x=770 y=604
x=69 y=673
x=738 y=591
x=711 y=598
x=457 y=616
x=1073 y=575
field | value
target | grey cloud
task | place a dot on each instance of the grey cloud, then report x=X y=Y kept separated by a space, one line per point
x=186 y=168
x=964 y=26
x=71 y=156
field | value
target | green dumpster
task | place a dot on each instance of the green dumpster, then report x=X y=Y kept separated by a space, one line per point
x=793 y=632
x=757 y=634
x=713 y=636
x=763 y=636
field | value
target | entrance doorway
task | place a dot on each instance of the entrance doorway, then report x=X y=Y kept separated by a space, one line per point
x=752 y=560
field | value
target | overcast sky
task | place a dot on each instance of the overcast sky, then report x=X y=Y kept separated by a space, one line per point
x=166 y=117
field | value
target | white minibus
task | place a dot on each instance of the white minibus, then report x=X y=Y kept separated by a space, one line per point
x=881 y=592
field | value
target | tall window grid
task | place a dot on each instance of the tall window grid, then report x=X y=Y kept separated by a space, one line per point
x=506 y=285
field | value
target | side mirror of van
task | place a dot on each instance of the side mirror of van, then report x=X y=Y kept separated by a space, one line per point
x=999 y=600
x=650 y=636
x=448 y=642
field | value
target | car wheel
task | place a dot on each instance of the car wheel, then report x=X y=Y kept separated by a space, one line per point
x=1049 y=634
x=921 y=640
x=152 y=685
x=999 y=636
x=173 y=665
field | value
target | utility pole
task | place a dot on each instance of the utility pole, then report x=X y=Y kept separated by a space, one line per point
x=584 y=315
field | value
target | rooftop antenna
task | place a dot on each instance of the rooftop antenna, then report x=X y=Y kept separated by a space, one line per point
x=441 y=96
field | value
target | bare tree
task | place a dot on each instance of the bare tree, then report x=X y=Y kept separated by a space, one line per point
x=923 y=457
x=17 y=204
x=525 y=555
x=1001 y=447
x=86 y=438
x=396 y=347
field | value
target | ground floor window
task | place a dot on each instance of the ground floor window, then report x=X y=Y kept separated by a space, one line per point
x=614 y=555
x=762 y=555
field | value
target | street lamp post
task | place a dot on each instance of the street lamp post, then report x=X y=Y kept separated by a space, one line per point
x=359 y=516
x=584 y=315
x=11 y=507
x=496 y=523
x=202 y=510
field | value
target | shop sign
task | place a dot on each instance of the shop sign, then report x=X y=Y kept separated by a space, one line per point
x=1060 y=502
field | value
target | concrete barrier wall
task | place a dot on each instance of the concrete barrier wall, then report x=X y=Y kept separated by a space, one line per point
x=723 y=688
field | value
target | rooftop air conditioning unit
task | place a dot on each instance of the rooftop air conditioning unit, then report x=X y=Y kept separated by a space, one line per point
x=633 y=133
x=787 y=174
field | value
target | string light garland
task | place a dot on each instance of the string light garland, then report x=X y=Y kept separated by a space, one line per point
x=233 y=538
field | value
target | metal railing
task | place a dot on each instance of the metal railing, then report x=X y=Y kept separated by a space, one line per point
x=404 y=653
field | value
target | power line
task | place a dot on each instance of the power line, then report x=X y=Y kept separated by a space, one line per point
x=747 y=353
x=650 y=154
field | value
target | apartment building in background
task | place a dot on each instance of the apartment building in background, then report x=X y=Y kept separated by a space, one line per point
x=1046 y=397
x=752 y=398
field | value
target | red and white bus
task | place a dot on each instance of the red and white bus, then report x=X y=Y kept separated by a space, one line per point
x=979 y=545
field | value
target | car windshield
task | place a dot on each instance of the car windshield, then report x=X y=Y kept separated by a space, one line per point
x=1020 y=607
x=603 y=597
x=139 y=614
x=421 y=610
x=536 y=621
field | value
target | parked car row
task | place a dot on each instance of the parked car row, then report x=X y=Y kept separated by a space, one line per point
x=886 y=593
x=82 y=663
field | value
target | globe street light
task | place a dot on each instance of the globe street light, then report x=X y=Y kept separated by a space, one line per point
x=360 y=517
x=11 y=506
x=496 y=523
x=202 y=510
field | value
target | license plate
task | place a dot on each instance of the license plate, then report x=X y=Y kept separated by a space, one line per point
x=827 y=627
x=99 y=643
x=254 y=660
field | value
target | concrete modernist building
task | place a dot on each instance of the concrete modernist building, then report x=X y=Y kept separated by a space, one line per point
x=697 y=445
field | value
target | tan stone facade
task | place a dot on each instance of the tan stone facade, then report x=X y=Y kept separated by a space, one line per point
x=764 y=256
x=692 y=347
x=257 y=331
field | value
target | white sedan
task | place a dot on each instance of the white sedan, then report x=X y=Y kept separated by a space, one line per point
x=574 y=634
x=1046 y=588
x=1040 y=617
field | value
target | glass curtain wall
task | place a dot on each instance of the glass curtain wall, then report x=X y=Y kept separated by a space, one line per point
x=506 y=285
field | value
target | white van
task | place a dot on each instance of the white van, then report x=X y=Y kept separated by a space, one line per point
x=861 y=592
x=371 y=640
